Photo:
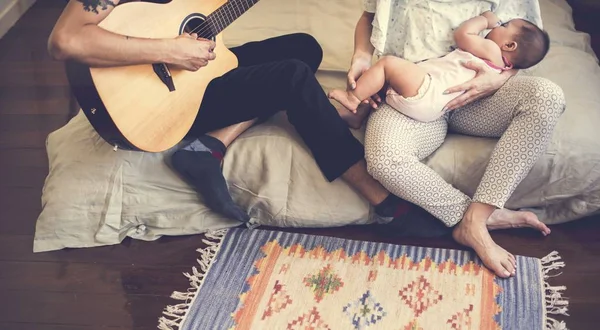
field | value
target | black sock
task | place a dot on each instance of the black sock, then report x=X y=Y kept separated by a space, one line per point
x=200 y=164
x=410 y=220
x=392 y=207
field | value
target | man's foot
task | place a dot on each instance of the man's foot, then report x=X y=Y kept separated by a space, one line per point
x=472 y=232
x=200 y=164
x=505 y=219
x=354 y=120
x=400 y=218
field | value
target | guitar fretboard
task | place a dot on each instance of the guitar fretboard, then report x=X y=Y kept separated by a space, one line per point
x=227 y=13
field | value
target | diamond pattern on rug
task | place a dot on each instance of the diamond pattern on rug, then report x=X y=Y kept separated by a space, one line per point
x=365 y=311
x=419 y=295
x=364 y=291
x=325 y=281
x=278 y=301
x=461 y=320
x=308 y=321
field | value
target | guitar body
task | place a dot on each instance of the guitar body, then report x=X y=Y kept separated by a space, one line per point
x=130 y=106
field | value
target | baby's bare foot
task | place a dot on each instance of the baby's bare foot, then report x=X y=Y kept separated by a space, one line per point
x=347 y=99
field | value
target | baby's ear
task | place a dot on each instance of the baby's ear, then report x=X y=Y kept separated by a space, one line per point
x=510 y=46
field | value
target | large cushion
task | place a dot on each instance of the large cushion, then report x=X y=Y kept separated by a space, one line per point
x=96 y=196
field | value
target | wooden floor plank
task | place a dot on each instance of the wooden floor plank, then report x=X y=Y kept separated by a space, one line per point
x=23 y=176
x=167 y=251
x=92 y=278
x=41 y=326
x=82 y=309
x=23 y=157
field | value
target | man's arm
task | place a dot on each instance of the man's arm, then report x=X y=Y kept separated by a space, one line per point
x=467 y=37
x=77 y=36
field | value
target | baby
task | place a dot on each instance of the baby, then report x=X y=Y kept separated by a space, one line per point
x=417 y=90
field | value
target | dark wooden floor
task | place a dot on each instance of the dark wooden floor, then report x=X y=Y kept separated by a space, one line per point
x=127 y=286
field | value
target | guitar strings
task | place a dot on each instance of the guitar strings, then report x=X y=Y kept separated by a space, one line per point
x=205 y=27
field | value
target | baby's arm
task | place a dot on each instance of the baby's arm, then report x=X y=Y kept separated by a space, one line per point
x=467 y=37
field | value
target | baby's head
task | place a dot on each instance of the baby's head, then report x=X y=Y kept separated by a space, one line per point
x=523 y=43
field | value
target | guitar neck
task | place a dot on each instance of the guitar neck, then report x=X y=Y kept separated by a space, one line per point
x=226 y=14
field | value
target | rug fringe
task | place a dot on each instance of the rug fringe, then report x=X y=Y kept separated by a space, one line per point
x=556 y=304
x=175 y=314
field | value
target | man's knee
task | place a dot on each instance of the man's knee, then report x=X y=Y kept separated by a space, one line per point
x=295 y=70
x=311 y=47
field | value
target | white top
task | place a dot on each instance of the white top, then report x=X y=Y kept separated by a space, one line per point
x=417 y=30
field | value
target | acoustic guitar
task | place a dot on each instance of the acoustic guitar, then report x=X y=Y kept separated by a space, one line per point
x=152 y=107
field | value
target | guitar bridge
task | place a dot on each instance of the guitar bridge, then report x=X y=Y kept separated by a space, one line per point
x=163 y=72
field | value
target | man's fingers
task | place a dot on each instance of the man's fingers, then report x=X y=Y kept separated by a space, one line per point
x=212 y=56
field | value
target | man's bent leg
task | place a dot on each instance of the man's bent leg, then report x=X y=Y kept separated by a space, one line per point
x=358 y=177
x=228 y=134
x=200 y=162
x=298 y=46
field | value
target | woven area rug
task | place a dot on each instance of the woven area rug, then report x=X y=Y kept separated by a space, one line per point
x=257 y=279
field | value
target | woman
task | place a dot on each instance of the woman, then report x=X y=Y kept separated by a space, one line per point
x=521 y=111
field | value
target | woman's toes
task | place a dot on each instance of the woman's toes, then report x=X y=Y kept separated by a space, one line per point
x=507 y=264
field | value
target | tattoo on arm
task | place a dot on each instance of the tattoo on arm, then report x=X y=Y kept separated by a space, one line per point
x=93 y=5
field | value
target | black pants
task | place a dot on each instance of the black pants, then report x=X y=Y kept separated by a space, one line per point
x=274 y=75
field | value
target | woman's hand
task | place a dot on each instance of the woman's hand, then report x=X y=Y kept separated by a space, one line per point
x=486 y=82
x=358 y=67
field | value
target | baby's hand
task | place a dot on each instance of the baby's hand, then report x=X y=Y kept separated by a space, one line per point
x=491 y=18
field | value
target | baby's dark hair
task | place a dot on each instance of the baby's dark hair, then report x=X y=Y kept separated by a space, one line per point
x=533 y=44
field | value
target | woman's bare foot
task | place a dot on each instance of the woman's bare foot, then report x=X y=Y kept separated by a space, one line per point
x=472 y=232
x=504 y=219
x=345 y=98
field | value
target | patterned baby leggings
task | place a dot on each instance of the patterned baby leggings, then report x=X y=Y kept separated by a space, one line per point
x=522 y=114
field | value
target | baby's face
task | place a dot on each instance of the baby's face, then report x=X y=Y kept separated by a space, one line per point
x=504 y=34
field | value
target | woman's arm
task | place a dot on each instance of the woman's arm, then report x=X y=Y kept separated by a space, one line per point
x=363 y=49
x=363 y=54
x=486 y=82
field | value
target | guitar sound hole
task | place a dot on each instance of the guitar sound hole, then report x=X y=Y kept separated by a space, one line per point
x=196 y=23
